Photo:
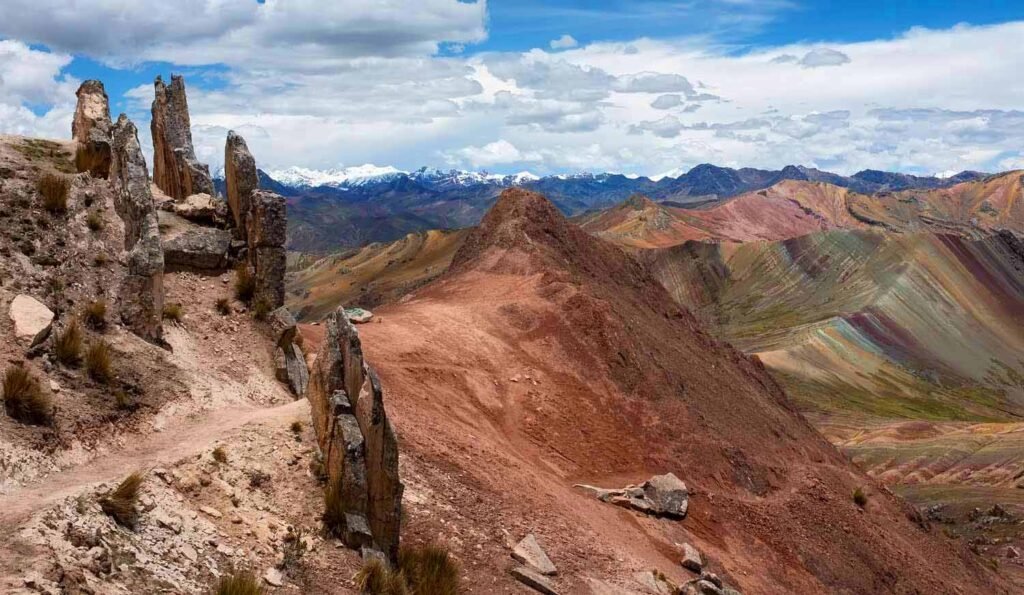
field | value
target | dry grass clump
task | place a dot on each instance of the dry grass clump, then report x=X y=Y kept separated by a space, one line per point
x=223 y=306
x=94 y=221
x=429 y=570
x=97 y=362
x=860 y=498
x=54 y=190
x=334 y=510
x=95 y=314
x=67 y=345
x=24 y=399
x=261 y=309
x=238 y=583
x=375 y=578
x=174 y=312
x=296 y=427
x=220 y=455
x=123 y=400
x=245 y=284
x=120 y=503
x=294 y=548
x=100 y=259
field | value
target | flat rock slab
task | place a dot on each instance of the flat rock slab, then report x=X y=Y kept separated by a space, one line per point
x=31 y=318
x=691 y=558
x=358 y=315
x=534 y=580
x=529 y=552
x=203 y=248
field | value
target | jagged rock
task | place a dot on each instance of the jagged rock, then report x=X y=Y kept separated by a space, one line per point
x=241 y=179
x=529 y=552
x=535 y=581
x=176 y=170
x=691 y=558
x=282 y=327
x=201 y=208
x=667 y=495
x=274 y=577
x=32 y=319
x=280 y=365
x=711 y=578
x=358 y=315
x=654 y=582
x=142 y=292
x=268 y=226
x=297 y=372
x=91 y=129
x=601 y=494
x=203 y=248
x=345 y=398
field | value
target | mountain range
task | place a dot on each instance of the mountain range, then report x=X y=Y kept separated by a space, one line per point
x=346 y=208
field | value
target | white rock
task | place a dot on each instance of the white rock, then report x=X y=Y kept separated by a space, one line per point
x=273 y=577
x=31 y=318
x=529 y=552
x=211 y=511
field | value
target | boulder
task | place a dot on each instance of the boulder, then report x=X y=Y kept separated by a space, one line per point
x=529 y=552
x=91 y=130
x=269 y=266
x=282 y=327
x=202 y=248
x=667 y=495
x=241 y=179
x=297 y=372
x=535 y=581
x=201 y=208
x=32 y=319
x=358 y=315
x=176 y=170
x=274 y=577
x=691 y=559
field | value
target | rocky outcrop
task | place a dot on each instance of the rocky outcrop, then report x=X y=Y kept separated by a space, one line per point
x=661 y=495
x=289 y=360
x=176 y=170
x=202 y=248
x=360 y=452
x=91 y=130
x=268 y=225
x=141 y=292
x=240 y=178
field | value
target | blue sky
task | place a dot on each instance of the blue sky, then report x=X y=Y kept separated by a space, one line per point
x=641 y=87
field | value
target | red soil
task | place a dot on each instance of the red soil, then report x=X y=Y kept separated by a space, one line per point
x=546 y=357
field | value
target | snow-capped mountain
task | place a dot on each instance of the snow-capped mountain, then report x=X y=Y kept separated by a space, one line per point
x=302 y=177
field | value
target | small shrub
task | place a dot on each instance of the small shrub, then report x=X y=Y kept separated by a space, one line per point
x=261 y=309
x=94 y=221
x=334 y=510
x=54 y=190
x=97 y=362
x=296 y=427
x=860 y=498
x=95 y=314
x=24 y=400
x=123 y=400
x=67 y=345
x=220 y=455
x=223 y=306
x=100 y=259
x=375 y=578
x=258 y=479
x=430 y=570
x=173 y=312
x=120 y=503
x=245 y=284
x=238 y=583
x=293 y=551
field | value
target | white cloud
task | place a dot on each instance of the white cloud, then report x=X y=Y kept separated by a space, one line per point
x=667 y=101
x=564 y=42
x=31 y=77
x=499 y=152
x=823 y=57
x=666 y=127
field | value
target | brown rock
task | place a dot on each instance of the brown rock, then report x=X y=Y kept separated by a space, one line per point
x=241 y=179
x=691 y=558
x=91 y=129
x=176 y=170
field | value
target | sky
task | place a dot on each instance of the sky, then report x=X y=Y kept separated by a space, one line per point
x=642 y=87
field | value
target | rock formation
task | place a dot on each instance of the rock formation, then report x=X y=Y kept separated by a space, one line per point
x=141 y=292
x=176 y=170
x=661 y=495
x=268 y=226
x=240 y=178
x=289 y=360
x=91 y=130
x=358 y=444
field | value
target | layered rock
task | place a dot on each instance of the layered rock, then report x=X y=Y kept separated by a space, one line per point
x=289 y=360
x=358 y=444
x=241 y=179
x=141 y=292
x=176 y=170
x=91 y=129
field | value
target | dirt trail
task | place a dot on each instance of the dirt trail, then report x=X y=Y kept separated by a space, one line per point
x=157 y=449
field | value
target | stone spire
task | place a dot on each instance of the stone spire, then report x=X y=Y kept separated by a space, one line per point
x=176 y=170
x=91 y=129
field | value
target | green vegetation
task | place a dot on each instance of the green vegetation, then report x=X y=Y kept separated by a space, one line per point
x=53 y=188
x=67 y=345
x=120 y=503
x=24 y=399
x=238 y=583
x=97 y=362
x=35 y=149
x=95 y=314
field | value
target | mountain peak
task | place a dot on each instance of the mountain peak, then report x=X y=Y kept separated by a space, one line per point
x=638 y=202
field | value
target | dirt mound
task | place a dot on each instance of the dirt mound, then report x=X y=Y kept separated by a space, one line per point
x=546 y=357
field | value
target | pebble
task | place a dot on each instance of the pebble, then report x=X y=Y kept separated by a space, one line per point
x=211 y=511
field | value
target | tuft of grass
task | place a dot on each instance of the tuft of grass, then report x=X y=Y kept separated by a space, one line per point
x=67 y=345
x=220 y=455
x=24 y=399
x=293 y=551
x=238 y=583
x=245 y=284
x=95 y=314
x=860 y=498
x=430 y=570
x=54 y=190
x=261 y=309
x=97 y=362
x=375 y=578
x=94 y=221
x=334 y=510
x=120 y=503
x=173 y=312
x=258 y=479
x=100 y=259
x=296 y=427
x=123 y=400
x=223 y=306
